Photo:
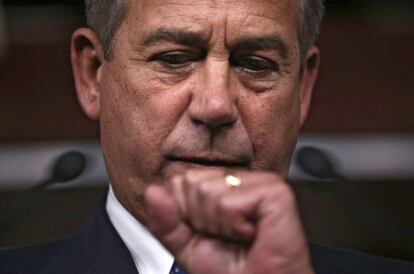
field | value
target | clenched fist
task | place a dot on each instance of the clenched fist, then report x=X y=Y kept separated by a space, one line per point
x=213 y=228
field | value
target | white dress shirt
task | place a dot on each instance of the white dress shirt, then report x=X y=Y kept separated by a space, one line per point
x=149 y=255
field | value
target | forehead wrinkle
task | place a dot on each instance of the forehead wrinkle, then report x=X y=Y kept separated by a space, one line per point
x=175 y=35
x=200 y=32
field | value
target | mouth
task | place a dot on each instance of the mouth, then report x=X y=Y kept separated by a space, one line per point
x=210 y=162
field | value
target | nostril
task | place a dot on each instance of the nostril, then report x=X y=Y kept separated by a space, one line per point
x=213 y=123
x=218 y=117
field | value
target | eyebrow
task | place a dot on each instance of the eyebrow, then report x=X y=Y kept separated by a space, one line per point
x=190 y=38
x=270 y=42
x=187 y=38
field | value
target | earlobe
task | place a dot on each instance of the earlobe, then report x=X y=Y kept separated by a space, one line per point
x=87 y=59
x=309 y=75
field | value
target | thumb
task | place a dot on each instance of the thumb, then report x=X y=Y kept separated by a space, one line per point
x=165 y=220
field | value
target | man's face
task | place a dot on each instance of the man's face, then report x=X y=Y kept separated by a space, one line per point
x=200 y=84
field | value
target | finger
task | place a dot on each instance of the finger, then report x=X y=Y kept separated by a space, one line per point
x=194 y=180
x=270 y=209
x=237 y=209
x=279 y=226
x=209 y=213
x=165 y=220
x=235 y=215
x=208 y=193
x=176 y=188
x=253 y=179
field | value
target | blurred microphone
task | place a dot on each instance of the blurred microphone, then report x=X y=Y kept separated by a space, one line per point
x=317 y=163
x=66 y=167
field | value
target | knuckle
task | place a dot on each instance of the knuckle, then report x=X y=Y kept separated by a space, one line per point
x=290 y=199
x=204 y=189
x=190 y=182
x=228 y=209
x=273 y=177
x=175 y=182
x=192 y=176
x=285 y=188
x=284 y=194
x=278 y=192
x=222 y=204
x=265 y=178
x=233 y=217
x=197 y=224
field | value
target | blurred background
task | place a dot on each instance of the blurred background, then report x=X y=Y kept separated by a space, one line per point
x=353 y=169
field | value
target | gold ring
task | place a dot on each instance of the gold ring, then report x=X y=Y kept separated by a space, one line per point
x=232 y=181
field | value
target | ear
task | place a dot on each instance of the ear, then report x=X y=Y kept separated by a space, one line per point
x=308 y=78
x=87 y=59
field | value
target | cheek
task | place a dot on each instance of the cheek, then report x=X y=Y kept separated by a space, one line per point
x=273 y=124
x=138 y=116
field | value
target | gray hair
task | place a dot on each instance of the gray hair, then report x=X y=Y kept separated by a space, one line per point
x=309 y=20
x=105 y=16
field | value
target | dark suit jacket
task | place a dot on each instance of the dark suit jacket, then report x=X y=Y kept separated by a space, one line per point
x=96 y=248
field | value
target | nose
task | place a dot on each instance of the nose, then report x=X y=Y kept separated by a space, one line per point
x=213 y=101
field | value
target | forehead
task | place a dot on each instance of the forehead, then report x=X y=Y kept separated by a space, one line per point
x=232 y=17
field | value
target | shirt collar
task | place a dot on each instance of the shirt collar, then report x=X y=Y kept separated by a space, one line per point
x=149 y=255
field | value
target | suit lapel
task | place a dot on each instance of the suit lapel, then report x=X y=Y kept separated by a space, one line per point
x=94 y=248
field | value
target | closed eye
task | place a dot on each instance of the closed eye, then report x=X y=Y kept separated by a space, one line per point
x=175 y=60
x=254 y=64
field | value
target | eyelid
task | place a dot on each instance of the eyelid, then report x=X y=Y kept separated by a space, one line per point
x=186 y=64
x=239 y=60
x=169 y=53
x=186 y=56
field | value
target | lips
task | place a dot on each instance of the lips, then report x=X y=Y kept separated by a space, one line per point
x=211 y=161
